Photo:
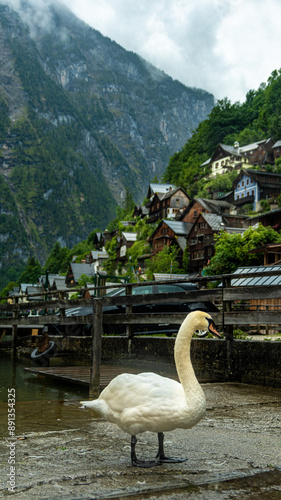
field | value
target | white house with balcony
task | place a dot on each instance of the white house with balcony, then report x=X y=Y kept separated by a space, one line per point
x=227 y=158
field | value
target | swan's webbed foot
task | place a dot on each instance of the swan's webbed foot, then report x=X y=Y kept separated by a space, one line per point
x=145 y=463
x=161 y=455
x=140 y=463
x=170 y=460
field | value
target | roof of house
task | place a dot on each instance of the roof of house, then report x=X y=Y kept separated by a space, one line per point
x=34 y=290
x=130 y=236
x=214 y=206
x=182 y=242
x=141 y=208
x=23 y=287
x=99 y=254
x=216 y=222
x=262 y=216
x=257 y=281
x=206 y=162
x=277 y=144
x=59 y=281
x=79 y=269
x=171 y=192
x=264 y=178
x=159 y=188
x=230 y=150
x=180 y=228
x=252 y=146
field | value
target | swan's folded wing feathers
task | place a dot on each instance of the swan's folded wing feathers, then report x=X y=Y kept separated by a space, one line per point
x=129 y=390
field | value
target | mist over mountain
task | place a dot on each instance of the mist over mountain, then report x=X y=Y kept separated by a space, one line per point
x=81 y=121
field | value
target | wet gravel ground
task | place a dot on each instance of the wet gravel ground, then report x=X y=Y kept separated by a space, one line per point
x=65 y=452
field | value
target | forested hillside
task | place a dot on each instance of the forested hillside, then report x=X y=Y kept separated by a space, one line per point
x=259 y=117
x=81 y=121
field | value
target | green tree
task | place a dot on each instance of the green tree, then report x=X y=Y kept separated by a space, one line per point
x=32 y=272
x=164 y=262
x=7 y=289
x=58 y=259
x=232 y=250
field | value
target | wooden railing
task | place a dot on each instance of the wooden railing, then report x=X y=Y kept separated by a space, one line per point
x=235 y=309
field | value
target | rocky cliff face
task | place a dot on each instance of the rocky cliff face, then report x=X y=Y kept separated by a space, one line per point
x=81 y=121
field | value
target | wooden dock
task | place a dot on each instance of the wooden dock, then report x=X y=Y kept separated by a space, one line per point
x=81 y=374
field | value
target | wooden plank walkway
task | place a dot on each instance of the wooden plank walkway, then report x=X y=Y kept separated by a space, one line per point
x=81 y=374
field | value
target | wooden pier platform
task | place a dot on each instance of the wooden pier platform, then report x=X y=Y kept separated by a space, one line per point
x=81 y=374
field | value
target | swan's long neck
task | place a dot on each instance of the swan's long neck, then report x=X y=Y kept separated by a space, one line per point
x=185 y=370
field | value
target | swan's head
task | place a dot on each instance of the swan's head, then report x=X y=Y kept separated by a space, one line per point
x=202 y=321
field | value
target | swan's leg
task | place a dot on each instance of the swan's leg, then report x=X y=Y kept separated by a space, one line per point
x=140 y=463
x=161 y=455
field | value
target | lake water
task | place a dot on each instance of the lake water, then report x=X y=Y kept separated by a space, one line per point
x=31 y=387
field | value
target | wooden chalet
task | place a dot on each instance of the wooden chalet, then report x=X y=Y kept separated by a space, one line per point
x=200 y=240
x=271 y=253
x=219 y=207
x=168 y=205
x=269 y=219
x=252 y=186
x=158 y=188
x=227 y=158
x=126 y=242
x=140 y=211
x=75 y=271
x=170 y=233
x=276 y=150
x=97 y=257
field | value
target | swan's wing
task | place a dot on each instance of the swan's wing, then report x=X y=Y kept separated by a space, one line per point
x=130 y=391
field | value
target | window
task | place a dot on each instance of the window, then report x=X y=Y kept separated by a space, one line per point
x=248 y=180
x=195 y=213
x=253 y=192
x=238 y=196
x=198 y=255
x=238 y=185
x=242 y=183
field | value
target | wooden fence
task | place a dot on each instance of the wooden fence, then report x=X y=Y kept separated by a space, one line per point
x=236 y=308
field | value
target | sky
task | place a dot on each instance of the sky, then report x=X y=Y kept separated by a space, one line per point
x=226 y=47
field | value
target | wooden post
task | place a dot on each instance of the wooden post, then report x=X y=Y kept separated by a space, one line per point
x=15 y=329
x=94 y=389
x=228 y=332
x=129 y=328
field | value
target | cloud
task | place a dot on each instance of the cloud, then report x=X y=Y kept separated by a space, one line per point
x=224 y=46
x=35 y=13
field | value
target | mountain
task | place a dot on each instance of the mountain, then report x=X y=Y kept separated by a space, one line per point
x=81 y=121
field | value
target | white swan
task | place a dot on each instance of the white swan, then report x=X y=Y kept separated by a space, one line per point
x=150 y=402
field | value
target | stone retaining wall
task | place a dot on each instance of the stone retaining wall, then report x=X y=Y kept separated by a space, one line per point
x=255 y=362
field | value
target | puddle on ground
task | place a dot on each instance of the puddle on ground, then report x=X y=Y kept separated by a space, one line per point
x=41 y=404
x=45 y=416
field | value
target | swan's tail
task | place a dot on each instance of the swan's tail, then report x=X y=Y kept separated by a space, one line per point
x=88 y=404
